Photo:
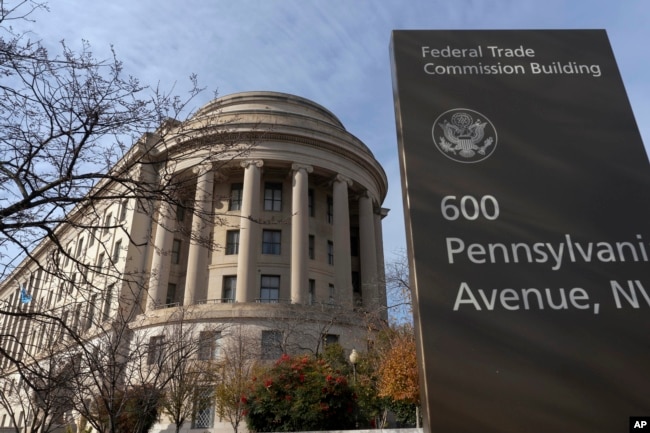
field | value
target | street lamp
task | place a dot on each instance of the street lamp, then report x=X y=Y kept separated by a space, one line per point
x=354 y=358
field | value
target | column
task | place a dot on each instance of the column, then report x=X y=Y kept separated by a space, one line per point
x=161 y=260
x=299 y=233
x=341 y=239
x=249 y=232
x=368 y=253
x=381 y=264
x=197 y=257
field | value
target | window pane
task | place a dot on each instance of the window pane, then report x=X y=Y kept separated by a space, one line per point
x=271 y=240
x=236 y=190
x=229 y=286
x=232 y=242
x=330 y=210
x=270 y=289
x=117 y=249
x=330 y=252
x=203 y=416
x=155 y=349
x=171 y=293
x=273 y=197
x=176 y=251
x=208 y=345
x=271 y=344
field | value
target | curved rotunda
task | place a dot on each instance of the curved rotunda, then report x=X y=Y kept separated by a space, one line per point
x=270 y=221
x=295 y=216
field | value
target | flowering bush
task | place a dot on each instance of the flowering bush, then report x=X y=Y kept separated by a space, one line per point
x=299 y=394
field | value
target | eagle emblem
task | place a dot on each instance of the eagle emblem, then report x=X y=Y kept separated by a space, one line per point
x=464 y=135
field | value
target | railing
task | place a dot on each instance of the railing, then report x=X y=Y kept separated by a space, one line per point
x=163 y=306
x=215 y=301
x=272 y=301
x=321 y=304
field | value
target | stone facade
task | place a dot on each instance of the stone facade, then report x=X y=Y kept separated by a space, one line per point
x=293 y=219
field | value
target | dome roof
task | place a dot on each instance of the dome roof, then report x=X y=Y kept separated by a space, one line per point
x=269 y=103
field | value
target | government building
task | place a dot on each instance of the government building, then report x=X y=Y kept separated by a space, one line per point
x=260 y=217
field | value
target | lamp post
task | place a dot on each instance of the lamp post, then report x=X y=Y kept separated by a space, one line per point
x=354 y=358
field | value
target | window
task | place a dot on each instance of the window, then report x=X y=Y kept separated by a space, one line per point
x=312 y=242
x=273 y=196
x=171 y=294
x=271 y=241
x=68 y=254
x=90 y=315
x=232 y=242
x=203 y=413
x=80 y=247
x=330 y=210
x=271 y=344
x=356 y=282
x=176 y=252
x=116 y=251
x=330 y=252
x=77 y=317
x=331 y=289
x=180 y=212
x=330 y=339
x=310 y=200
x=155 y=349
x=312 y=292
x=270 y=289
x=123 y=209
x=100 y=262
x=357 y=296
x=108 y=222
x=354 y=241
x=93 y=235
x=108 y=300
x=229 y=287
x=209 y=345
x=236 y=192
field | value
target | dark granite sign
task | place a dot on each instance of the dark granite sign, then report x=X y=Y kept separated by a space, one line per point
x=527 y=200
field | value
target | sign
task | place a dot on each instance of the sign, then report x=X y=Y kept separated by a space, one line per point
x=527 y=200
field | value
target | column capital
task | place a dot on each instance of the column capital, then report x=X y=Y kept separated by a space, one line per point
x=341 y=178
x=366 y=194
x=202 y=168
x=298 y=167
x=255 y=162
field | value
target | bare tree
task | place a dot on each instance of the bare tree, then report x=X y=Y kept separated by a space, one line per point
x=190 y=369
x=239 y=357
x=128 y=360
x=398 y=289
x=37 y=401
x=70 y=179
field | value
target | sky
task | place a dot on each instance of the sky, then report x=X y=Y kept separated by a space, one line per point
x=334 y=52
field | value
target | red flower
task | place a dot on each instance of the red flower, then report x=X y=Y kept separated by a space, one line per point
x=268 y=383
x=244 y=399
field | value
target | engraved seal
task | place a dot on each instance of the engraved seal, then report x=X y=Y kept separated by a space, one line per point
x=464 y=135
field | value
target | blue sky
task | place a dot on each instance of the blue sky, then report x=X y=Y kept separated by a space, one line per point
x=334 y=52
